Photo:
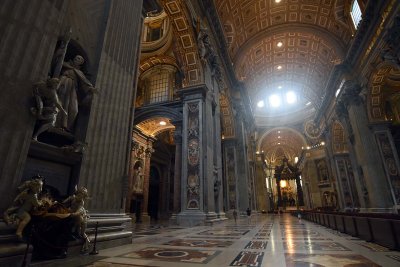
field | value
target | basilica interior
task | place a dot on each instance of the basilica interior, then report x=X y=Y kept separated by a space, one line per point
x=186 y=132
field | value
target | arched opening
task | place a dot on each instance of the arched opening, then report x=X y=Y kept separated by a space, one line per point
x=154 y=191
x=154 y=136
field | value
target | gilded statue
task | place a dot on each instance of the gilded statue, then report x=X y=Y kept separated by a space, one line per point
x=24 y=205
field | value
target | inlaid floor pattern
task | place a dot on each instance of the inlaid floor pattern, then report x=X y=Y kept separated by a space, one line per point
x=267 y=240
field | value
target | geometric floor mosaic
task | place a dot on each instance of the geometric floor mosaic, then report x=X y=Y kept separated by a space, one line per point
x=246 y=258
x=269 y=241
x=199 y=243
x=223 y=233
x=174 y=255
x=256 y=245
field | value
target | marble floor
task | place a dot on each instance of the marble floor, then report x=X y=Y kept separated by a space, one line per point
x=268 y=240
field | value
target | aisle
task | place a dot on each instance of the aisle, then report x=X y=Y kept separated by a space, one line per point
x=265 y=241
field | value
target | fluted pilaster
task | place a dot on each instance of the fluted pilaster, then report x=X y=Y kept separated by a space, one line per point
x=105 y=164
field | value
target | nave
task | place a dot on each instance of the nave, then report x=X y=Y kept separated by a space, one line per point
x=265 y=240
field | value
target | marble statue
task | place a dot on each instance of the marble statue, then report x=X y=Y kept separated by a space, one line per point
x=138 y=176
x=74 y=90
x=24 y=204
x=47 y=105
x=76 y=206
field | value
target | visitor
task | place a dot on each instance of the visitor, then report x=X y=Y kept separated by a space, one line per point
x=248 y=211
x=234 y=215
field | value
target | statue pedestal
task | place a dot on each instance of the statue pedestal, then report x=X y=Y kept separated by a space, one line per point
x=191 y=218
x=145 y=218
x=173 y=219
x=11 y=250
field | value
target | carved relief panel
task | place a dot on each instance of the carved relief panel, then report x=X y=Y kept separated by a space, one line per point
x=390 y=163
x=193 y=157
x=347 y=184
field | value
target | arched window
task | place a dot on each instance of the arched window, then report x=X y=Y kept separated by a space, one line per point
x=156 y=85
x=356 y=14
x=154 y=32
x=159 y=87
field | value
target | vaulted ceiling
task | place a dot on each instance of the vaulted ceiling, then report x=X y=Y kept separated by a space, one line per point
x=281 y=45
x=281 y=142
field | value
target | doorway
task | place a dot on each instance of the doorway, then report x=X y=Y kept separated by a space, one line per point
x=154 y=190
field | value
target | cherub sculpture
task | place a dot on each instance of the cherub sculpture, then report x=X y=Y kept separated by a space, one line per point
x=24 y=204
x=76 y=206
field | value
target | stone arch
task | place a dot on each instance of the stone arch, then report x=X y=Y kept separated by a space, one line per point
x=259 y=143
x=151 y=62
x=281 y=141
x=151 y=112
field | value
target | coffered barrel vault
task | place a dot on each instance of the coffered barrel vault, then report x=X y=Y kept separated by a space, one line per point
x=292 y=44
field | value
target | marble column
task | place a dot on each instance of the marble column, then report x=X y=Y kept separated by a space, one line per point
x=231 y=178
x=218 y=196
x=242 y=164
x=177 y=171
x=390 y=160
x=29 y=33
x=146 y=180
x=108 y=134
x=354 y=176
x=197 y=184
x=330 y=157
x=365 y=148
x=260 y=185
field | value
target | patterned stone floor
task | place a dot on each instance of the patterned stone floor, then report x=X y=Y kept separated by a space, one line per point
x=269 y=240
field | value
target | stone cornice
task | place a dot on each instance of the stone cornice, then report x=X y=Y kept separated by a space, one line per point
x=365 y=31
x=333 y=84
x=193 y=90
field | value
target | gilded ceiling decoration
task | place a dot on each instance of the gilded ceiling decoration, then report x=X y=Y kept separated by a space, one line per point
x=303 y=62
x=186 y=41
x=150 y=62
x=281 y=142
x=154 y=126
x=376 y=101
x=293 y=44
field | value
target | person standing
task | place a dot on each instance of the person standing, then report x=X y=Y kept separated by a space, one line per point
x=248 y=211
x=235 y=215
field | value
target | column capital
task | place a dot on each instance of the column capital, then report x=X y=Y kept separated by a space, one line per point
x=194 y=92
x=380 y=127
x=352 y=93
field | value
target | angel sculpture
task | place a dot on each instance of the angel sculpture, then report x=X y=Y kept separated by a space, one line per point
x=24 y=204
x=76 y=206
